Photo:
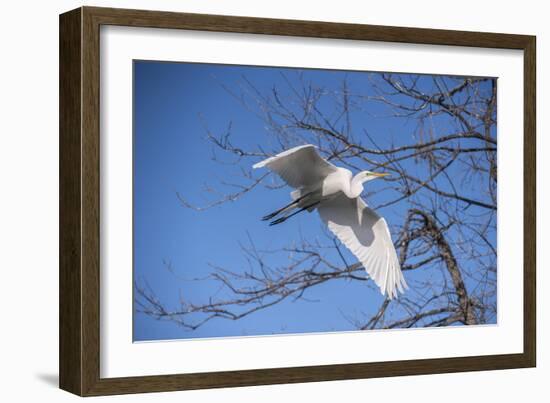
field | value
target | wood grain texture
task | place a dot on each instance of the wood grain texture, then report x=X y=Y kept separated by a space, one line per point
x=530 y=202
x=80 y=187
x=316 y=29
x=90 y=202
x=70 y=271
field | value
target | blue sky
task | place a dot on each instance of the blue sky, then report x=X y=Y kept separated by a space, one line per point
x=174 y=105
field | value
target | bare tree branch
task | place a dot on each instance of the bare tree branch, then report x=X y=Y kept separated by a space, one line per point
x=444 y=178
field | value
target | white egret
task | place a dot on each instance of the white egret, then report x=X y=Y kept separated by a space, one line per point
x=336 y=194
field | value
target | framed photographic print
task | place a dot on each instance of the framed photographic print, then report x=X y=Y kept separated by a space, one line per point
x=249 y=201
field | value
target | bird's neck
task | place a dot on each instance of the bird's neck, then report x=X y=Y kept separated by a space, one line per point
x=356 y=187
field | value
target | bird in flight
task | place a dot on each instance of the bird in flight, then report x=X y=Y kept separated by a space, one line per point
x=336 y=194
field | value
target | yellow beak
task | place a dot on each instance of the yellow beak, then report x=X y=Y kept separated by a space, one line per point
x=380 y=175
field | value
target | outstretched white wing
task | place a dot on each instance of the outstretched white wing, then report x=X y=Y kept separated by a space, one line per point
x=300 y=166
x=367 y=236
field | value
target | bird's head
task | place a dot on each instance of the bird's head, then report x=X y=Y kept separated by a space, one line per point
x=362 y=177
x=365 y=176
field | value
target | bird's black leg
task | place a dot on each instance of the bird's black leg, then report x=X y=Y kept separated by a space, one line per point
x=283 y=219
x=294 y=202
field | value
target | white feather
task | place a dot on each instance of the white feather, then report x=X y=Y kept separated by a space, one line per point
x=299 y=167
x=336 y=194
x=367 y=236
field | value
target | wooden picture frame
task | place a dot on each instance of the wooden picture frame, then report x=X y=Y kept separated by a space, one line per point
x=79 y=201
